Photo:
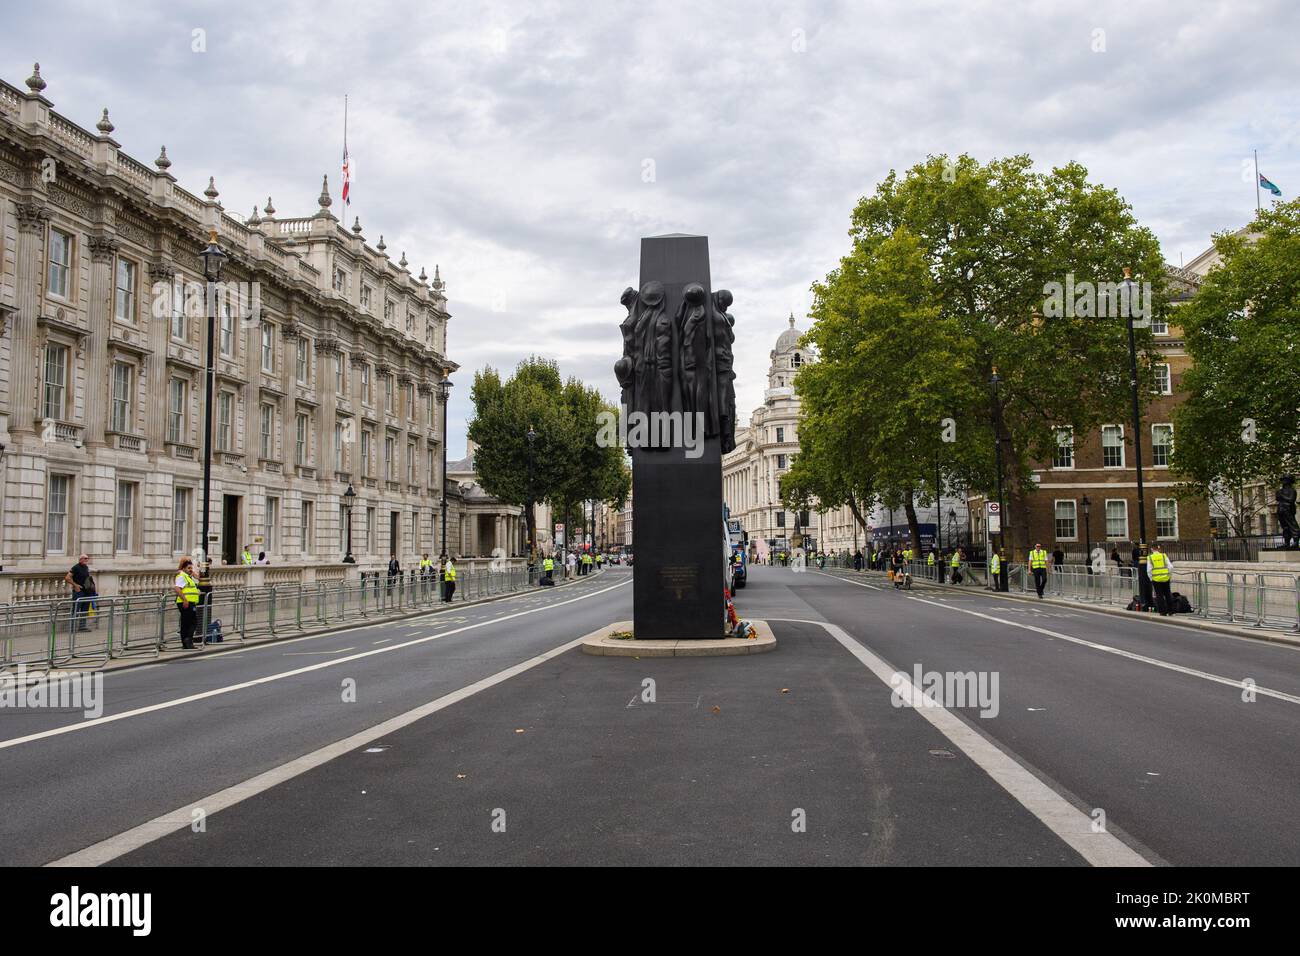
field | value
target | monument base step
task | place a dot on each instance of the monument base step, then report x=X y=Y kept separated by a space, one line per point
x=602 y=644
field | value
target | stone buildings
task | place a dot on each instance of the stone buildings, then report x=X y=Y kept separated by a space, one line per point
x=329 y=357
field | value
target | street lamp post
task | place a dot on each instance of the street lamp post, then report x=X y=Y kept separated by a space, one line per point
x=528 y=515
x=1144 y=582
x=348 y=497
x=1087 y=532
x=444 y=393
x=213 y=259
x=995 y=380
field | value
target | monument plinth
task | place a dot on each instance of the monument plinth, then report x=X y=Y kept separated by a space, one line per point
x=678 y=385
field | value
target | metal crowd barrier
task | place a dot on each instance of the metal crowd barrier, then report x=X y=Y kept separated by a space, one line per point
x=78 y=633
x=1262 y=599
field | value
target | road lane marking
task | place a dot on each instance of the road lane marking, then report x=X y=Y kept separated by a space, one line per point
x=1063 y=818
x=1238 y=682
x=244 y=685
x=123 y=843
x=340 y=650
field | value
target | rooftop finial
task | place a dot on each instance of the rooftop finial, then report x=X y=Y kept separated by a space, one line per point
x=268 y=208
x=792 y=320
x=254 y=219
x=104 y=125
x=424 y=276
x=437 y=279
x=162 y=162
x=402 y=262
x=36 y=82
x=381 y=247
x=211 y=191
x=325 y=199
x=356 y=226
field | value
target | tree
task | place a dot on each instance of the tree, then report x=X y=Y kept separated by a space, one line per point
x=590 y=470
x=1238 y=426
x=508 y=465
x=947 y=279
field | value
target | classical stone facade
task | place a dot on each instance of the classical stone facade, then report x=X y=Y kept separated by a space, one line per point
x=489 y=527
x=751 y=472
x=328 y=358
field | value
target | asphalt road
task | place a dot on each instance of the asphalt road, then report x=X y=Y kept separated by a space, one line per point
x=800 y=756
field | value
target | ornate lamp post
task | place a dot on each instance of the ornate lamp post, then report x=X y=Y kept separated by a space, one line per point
x=444 y=393
x=213 y=259
x=532 y=535
x=1144 y=582
x=1087 y=532
x=348 y=497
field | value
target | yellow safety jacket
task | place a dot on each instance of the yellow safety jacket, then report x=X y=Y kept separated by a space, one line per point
x=189 y=591
x=425 y=564
x=1038 y=558
x=1159 y=566
x=956 y=561
x=995 y=564
x=449 y=572
x=248 y=558
x=548 y=565
x=929 y=559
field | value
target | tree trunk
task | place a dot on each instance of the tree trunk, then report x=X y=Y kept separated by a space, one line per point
x=913 y=526
x=531 y=518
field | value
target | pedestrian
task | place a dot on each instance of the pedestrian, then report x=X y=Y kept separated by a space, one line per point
x=954 y=563
x=995 y=571
x=394 y=569
x=1038 y=565
x=1058 y=559
x=262 y=559
x=187 y=602
x=448 y=580
x=548 y=569
x=247 y=556
x=1114 y=556
x=83 y=592
x=1161 y=569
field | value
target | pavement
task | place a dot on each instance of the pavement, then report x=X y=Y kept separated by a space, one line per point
x=488 y=737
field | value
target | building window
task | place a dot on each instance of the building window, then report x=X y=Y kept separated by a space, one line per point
x=267 y=431
x=365 y=453
x=60 y=281
x=303 y=346
x=388 y=394
x=307 y=528
x=177 y=390
x=179 y=326
x=180 y=520
x=1164 y=386
x=780 y=519
x=410 y=463
x=388 y=310
x=338 y=446
x=415 y=530
x=365 y=298
x=227 y=337
x=55 y=400
x=1112 y=446
x=124 y=517
x=225 y=414
x=1162 y=445
x=300 y=453
x=343 y=529
x=1159 y=326
x=124 y=291
x=1166 y=518
x=340 y=280
x=370 y=530
x=56 y=514
x=272 y=535
x=120 y=417
x=268 y=347
x=428 y=466
x=388 y=459
x=1117 y=519
x=1067 y=525
x=1064 y=455
x=780 y=434
x=780 y=462
x=366 y=396
x=338 y=373
x=428 y=409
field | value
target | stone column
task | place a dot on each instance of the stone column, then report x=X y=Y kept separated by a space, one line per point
x=156 y=374
x=23 y=406
x=103 y=250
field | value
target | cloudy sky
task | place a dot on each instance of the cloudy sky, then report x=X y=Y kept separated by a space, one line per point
x=525 y=147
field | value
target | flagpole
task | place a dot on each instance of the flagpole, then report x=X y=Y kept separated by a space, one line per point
x=345 y=151
x=1257 y=207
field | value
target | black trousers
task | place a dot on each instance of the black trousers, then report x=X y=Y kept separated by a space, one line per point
x=1164 y=602
x=449 y=588
x=189 y=622
x=1040 y=580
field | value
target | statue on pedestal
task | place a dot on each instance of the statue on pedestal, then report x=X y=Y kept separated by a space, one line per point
x=1286 y=501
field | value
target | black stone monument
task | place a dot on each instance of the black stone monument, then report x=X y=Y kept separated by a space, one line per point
x=677 y=381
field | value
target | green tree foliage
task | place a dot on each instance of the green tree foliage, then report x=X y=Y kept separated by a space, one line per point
x=946 y=280
x=563 y=463
x=1241 y=420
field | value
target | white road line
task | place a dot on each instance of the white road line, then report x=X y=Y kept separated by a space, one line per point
x=340 y=650
x=243 y=685
x=1237 y=682
x=116 y=846
x=1059 y=815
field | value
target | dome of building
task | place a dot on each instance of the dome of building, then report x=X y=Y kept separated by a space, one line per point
x=789 y=339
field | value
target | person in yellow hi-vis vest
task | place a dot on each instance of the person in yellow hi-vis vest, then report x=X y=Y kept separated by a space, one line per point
x=448 y=579
x=247 y=557
x=1038 y=565
x=548 y=568
x=187 y=602
x=995 y=571
x=1160 y=569
x=930 y=563
x=954 y=565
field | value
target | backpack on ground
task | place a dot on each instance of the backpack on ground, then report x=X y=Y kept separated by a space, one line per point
x=1180 y=604
x=214 y=633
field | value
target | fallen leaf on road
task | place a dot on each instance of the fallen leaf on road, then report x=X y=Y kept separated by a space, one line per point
x=519 y=730
x=461 y=776
x=717 y=710
x=785 y=690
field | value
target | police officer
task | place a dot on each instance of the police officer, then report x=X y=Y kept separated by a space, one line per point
x=930 y=563
x=1161 y=569
x=187 y=602
x=426 y=573
x=954 y=563
x=995 y=571
x=1038 y=565
x=548 y=568
x=247 y=557
x=449 y=579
